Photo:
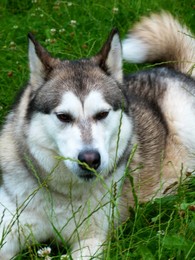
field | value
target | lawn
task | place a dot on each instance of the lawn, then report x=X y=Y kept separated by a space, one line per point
x=161 y=229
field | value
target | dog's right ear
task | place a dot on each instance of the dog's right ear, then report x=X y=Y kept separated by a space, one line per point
x=40 y=62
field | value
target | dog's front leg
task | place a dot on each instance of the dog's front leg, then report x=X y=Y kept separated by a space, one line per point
x=15 y=234
x=88 y=248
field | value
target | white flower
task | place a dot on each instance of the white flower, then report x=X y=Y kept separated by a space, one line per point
x=12 y=44
x=69 y=3
x=48 y=40
x=44 y=252
x=47 y=258
x=115 y=10
x=62 y=30
x=160 y=233
x=73 y=22
x=53 y=31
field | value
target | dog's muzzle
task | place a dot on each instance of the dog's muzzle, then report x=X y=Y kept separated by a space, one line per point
x=89 y=160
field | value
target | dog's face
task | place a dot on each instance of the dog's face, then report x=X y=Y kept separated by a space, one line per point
x=78 y=109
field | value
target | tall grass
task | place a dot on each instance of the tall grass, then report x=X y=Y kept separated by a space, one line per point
x=160 y=229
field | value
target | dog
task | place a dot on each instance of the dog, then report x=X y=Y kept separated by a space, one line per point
x=82 y=138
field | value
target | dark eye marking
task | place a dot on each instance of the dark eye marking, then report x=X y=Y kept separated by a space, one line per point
x=65 y=117
x=101 y=115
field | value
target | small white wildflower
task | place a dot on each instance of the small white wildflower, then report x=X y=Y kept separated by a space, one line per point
x=69 y=3
x=53 y=31
x=115 y=10
x=15 y=27
x=47 y=258
x=44 y=252
x=62 y=30
x=41 y=15
x=160 y=233
x=12 y=45
x=48 y=40
x=73 y=22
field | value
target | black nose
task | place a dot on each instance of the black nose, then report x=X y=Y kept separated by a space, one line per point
x=91 y=158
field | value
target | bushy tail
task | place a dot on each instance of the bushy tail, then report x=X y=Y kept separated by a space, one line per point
x=161 y=38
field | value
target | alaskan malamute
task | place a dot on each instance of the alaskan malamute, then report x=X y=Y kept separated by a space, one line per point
x=81 y=127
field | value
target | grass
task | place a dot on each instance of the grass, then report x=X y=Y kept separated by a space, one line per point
x=161 y=229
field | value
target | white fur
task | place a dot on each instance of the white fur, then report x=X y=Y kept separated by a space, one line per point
x=134 y=50
x=95 y=103
x=49 y=136
x=114 y=59
x=70 y=104
x=179 y=105
x=63 y=215
x=56 y=197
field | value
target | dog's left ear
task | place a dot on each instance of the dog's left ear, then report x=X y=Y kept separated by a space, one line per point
x=110 y=56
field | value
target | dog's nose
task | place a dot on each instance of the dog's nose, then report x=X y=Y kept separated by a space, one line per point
x=91 y=158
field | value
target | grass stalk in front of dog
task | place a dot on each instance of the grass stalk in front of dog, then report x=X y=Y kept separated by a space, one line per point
x=160 y=229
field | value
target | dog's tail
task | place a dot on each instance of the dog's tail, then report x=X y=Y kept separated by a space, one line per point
x=161 y=38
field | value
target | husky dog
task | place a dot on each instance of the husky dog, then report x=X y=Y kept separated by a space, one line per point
x=67 y=148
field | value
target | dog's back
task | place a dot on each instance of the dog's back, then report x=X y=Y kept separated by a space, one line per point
x=162 y=102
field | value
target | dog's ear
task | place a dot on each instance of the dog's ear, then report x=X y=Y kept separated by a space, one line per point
x=110 y=56
x=40 y=62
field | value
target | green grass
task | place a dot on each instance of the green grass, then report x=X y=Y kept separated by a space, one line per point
x=161 y=229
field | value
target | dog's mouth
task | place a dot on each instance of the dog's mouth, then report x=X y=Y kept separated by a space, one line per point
x=87 y=175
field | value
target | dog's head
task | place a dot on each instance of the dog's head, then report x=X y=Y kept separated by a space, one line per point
x=78 y=109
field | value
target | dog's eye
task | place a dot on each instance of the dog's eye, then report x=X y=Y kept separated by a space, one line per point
x=65 y=118
x=101 y=115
